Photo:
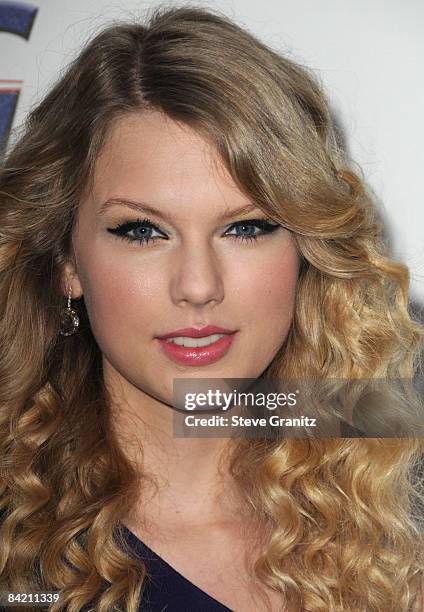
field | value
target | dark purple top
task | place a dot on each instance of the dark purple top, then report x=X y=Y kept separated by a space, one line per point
x=168 y=590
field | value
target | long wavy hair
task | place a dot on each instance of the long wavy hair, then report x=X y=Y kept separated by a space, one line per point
x=344 y=534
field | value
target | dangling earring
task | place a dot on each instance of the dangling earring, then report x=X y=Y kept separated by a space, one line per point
x=69 y=318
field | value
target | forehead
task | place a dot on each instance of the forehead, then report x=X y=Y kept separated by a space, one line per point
x=152 y=157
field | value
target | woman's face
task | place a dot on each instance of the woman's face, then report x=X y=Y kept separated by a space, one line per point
x=191 y=264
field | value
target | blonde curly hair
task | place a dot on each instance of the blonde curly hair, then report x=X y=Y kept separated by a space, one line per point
x=344 y=534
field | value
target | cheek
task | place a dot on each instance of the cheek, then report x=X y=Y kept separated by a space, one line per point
x=119 y=295
x=267 y=289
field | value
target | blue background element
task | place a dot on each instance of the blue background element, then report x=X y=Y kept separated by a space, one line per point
x=8 y=101
x=17 y=18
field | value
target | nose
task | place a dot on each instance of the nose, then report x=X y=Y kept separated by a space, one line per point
x=197 y=277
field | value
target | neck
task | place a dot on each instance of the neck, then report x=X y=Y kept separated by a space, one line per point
x=184 y=480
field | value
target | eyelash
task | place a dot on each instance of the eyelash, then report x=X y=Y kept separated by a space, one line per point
x=121 y=230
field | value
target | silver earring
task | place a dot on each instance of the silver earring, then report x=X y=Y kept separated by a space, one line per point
x=69 y=318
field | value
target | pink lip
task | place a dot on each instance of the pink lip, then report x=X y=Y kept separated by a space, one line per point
x=202 y=355
x=193 y=332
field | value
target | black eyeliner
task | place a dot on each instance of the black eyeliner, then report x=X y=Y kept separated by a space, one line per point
x=122 y=229
x=264 y=224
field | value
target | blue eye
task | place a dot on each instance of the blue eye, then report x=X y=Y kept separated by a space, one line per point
x=141 y=230
x=250 y=224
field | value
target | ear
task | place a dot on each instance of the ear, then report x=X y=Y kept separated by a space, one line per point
x=71 y=280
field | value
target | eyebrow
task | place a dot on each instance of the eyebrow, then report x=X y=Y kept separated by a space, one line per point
x=144 y=207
